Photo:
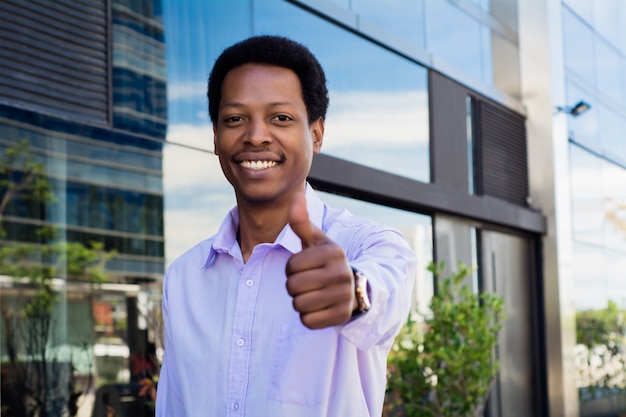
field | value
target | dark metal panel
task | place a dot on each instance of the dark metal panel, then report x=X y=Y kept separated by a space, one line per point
x=344 y=177
x=503 y=153
x=92 y=84
x=36 y=101
x=448 y=132
x=66 y=9
x=55 y=57
x=43 y=49
x=57 y=25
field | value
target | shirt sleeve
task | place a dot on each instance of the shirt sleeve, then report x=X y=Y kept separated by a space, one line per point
x=390 y=266
x=168 y=401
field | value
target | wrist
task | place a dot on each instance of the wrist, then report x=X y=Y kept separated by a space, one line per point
x=361 y=293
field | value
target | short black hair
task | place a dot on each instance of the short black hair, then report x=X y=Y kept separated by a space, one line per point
x=281 y=52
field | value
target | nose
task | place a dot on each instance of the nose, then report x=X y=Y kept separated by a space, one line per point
x=258 y=133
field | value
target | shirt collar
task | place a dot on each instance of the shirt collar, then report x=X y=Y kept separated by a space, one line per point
x=225 y=240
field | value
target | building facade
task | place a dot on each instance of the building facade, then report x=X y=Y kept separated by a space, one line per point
x=452 y=120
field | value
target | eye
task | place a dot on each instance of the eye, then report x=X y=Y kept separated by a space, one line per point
x=233 y=119
x=282 y=118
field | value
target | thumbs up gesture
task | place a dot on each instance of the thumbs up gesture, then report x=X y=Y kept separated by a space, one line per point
x=319 y=278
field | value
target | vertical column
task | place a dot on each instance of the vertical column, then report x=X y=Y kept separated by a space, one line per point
x=542 y=85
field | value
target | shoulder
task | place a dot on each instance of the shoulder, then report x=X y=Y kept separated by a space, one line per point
x=194 y=257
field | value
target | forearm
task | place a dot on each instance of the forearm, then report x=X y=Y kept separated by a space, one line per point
x=390 y=267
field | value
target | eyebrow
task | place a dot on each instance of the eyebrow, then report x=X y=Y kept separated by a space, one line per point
x=273 y=104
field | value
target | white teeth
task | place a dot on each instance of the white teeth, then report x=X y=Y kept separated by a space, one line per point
x=257 y=165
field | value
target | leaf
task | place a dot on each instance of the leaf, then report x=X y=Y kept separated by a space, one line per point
x=450 y=368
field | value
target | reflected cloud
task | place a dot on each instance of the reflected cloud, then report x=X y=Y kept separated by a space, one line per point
x=357 y=117
x=185 y=91
x=197 y=196
x=197 y=136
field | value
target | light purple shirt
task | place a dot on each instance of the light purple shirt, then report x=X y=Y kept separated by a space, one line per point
x=234 y=345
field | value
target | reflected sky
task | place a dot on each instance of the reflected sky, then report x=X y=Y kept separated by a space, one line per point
x=595 y=71
x=594 y=43
x=378 y=113
x=598 y=190
x=459 y=39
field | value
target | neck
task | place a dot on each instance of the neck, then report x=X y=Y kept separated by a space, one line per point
x=259 y=225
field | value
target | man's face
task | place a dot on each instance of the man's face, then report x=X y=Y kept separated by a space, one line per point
x=262 y=137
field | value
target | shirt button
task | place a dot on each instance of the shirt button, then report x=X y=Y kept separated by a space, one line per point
x=249 y=283
x=240 y=342
x=236 y=406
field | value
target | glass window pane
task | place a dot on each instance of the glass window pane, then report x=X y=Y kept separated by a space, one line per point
x=462 y=47
x=589 y=285
x=615 y=268
x=611 y=133
x=584 y=8
x=197 y=196
x=578 y=43
x=405 y=18
x=483 y=4
x=506 y=72
x=378 y=113
x=197 y=31
x=614 y=185
x=587 y=197
x=469 y=134
x=606 y=19
x=621 y=12
x=608 y=68
x=505 y=11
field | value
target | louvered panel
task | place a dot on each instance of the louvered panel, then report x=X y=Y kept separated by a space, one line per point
x=503 y=154
x=54 y=57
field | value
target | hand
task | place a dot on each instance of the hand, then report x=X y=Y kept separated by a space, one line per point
x=319 y=278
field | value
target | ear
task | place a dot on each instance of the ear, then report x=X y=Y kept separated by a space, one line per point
x=317 y=135
x=215 y=140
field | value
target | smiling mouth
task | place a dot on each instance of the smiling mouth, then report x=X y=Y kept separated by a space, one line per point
x=258 y=165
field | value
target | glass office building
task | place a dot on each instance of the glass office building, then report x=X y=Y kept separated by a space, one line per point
x=450 y=120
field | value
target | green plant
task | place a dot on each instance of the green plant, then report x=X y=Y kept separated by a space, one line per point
x=444 y=366
x=601 y=354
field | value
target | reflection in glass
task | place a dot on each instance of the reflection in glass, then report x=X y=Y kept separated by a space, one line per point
x=608 y=70
x=578 y=43
x=611 y=133
x=469 y=134
x=506 y=72
x=614 y=187
x=587 y=197
x=378 y=113
x=466 y=47
x=197 y=197
x=616 y=265
x=476 y=285
x=197 y=31
x=404 y=18
x=589 y=284
x=583 y=8
x=78 y=254
x=606 y=19
x=600 y=301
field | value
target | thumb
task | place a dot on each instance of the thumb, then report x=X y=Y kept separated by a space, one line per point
x=300 y=223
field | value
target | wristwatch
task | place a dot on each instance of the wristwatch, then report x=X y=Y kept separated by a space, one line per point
x=360 y=291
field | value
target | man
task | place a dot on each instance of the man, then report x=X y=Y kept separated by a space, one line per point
x=291 y=308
